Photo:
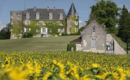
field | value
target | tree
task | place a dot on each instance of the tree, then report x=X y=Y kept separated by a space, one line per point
x=5 y=32
x=123 y=23
x=105 y=12
x=126 y=29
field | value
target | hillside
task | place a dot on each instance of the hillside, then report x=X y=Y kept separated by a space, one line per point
x=36 y=44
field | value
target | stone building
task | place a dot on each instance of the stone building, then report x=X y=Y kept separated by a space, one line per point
x=72 y=21
x=40 y=22
x=95 y=39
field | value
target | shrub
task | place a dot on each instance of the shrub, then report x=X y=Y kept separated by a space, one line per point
x=71 y=47
x=27 y=35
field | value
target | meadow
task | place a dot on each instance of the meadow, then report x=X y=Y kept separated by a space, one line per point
x=63 y=66
x=37 y=44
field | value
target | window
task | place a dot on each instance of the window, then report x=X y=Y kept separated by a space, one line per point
x=19 y=17
x=27 y=29
x=44 y=30
x=76 y=23
x=59 y=30
x=76 y=16
x=27 y=22
x=27 y=16
x=61 y=16
x=50 y=16
x=37 y=16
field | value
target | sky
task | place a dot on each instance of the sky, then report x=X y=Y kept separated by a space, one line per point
x=82 y=6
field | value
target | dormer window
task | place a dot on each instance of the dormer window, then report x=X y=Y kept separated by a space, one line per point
x=37 y=16
x=50 y=16
x=27 y=16
x=61 y=16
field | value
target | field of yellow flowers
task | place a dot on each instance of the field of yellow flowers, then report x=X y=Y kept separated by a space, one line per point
x=63 y=66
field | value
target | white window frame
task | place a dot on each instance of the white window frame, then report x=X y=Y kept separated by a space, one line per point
x=61 y=16
x=27 y=16
x=50 y=16
x=27 y=29
x=76 y=23
x=27 y=22
x=42 y=30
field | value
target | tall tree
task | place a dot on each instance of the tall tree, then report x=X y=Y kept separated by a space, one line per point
x=105 y=12
x=126 y=30
x=123 y=23
x=5 y=32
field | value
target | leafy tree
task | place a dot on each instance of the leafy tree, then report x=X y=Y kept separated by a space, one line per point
x=124 y=23
x=105 y=12
x=5 y=32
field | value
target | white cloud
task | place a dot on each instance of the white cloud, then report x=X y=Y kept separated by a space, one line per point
x=2 y=25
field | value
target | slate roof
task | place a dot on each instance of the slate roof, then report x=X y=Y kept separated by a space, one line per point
x=72 y=10
x=44 y=13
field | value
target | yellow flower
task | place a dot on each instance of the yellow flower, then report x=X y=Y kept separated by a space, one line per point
x=45 y=77
x=54 y=62
x=16 y=74
x=95 y=65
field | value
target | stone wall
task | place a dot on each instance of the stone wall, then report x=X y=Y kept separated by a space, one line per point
x=99 y=35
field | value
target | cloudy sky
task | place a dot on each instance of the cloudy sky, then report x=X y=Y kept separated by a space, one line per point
x=82 y=6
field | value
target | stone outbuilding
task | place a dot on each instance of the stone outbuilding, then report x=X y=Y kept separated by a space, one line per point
x=95 y=39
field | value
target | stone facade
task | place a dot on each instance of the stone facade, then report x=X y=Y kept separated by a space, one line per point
x=95 y=39
x=43 y=22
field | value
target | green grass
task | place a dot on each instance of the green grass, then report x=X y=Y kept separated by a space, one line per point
x=37 y=44
x=121 y=43
x=43 y=44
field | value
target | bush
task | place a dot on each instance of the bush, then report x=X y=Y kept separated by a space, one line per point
x=5 y=32
x=27 y=35
x=71 y=47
